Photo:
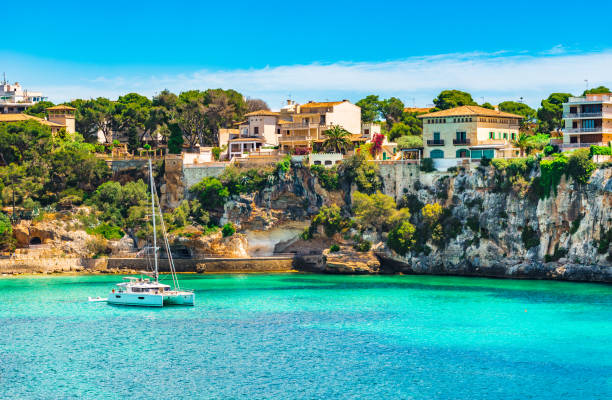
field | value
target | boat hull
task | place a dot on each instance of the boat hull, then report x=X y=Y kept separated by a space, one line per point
x=136 y=299
x=180 y=299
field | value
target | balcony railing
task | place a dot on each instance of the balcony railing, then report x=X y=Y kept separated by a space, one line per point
x=587 y=130
x=460 y=142
x=435 y=142
x=591 y=98
x=578 y=145
x=585 y=115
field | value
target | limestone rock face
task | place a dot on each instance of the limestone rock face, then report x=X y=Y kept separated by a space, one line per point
x=574 y=220
x=234 y=246
x=349 y=261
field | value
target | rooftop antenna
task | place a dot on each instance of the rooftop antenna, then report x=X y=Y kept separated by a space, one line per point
x=4 y=78
x=586 y=81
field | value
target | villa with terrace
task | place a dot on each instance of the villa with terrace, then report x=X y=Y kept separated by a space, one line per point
x=468 y=133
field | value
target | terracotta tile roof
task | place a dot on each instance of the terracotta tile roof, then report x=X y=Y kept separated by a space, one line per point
x=61 y=107
x=323 y=104
x=262 y=112
x=25 y=117
x=469 y=110
x=283 y=121
x=418 y=109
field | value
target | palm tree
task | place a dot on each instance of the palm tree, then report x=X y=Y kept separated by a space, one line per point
x=337 y=139
x=521 y=142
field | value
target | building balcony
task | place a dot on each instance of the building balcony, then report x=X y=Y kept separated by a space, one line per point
x=598 y=114
x=591 y=98
x=580 y=145
x=435 y=142
x=461 y=142
x=587 y=130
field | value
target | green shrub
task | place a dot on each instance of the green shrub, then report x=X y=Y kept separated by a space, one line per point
x=331 y=220
x=211 y=193
x=551 y=172
x=228 y=229
x=7 y=241
x=576 y=224
x=530 y=237
x=107 y=231
x=427 y=165
x=362 y=245
x=357 y=169
x=328 y=177
x=600 y=150
x=284 y=165
x=604 y=241
x=401 y=238
x=485 y=162
x=579 y=166
x=559 y=252
x=216 y=153
x=334 y=248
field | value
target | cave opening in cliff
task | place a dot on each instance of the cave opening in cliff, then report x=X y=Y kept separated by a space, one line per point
x=35 y=240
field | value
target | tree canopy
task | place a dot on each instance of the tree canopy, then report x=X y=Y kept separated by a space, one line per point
x=597 y=90
x=550 y=113
x=453 y=98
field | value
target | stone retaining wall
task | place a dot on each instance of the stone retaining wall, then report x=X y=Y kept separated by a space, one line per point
x=267 y=264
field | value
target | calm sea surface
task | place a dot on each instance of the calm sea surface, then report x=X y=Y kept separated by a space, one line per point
x=309 y=336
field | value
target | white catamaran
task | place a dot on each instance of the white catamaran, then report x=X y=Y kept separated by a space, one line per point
x=147 y=292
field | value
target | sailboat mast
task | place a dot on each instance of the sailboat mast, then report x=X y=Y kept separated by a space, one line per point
x=153 y=214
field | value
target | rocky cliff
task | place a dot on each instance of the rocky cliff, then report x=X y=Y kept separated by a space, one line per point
x=512 y=232
x=502 y=231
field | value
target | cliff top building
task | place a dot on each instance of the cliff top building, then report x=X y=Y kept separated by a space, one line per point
x=465 y=133
x=588 y=120
x=14 y=99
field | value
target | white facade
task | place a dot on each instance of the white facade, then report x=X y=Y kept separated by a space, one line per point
x=469 y=133
x=327 y=160
x=14 y=99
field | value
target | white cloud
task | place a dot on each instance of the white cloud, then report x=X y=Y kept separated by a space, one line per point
x=496 y=77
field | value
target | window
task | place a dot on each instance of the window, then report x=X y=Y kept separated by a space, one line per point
x=256 y=130
x=505 y=135
x=437 y=153
x=461 y=137
x=462 y=153
x=317 y=162
x=366 y=132
x=278 y=131
x=513 y=136
x=436 y=136
x=328 y=162
x=491 y=135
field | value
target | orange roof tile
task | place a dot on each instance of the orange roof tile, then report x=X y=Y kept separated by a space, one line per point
x=61 y=107
x=25 y=117
x=262 y=112
x=322 y=104
x=469 y=110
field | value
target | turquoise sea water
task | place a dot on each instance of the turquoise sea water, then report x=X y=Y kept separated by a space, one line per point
x=309 y=336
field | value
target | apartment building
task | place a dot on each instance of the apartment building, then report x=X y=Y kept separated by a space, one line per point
x=303 y=126
x=588 y=120
x=465 y=133
x=14 y=99
x=260 y=129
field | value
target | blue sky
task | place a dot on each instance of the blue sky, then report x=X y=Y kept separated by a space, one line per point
x=309 y=50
